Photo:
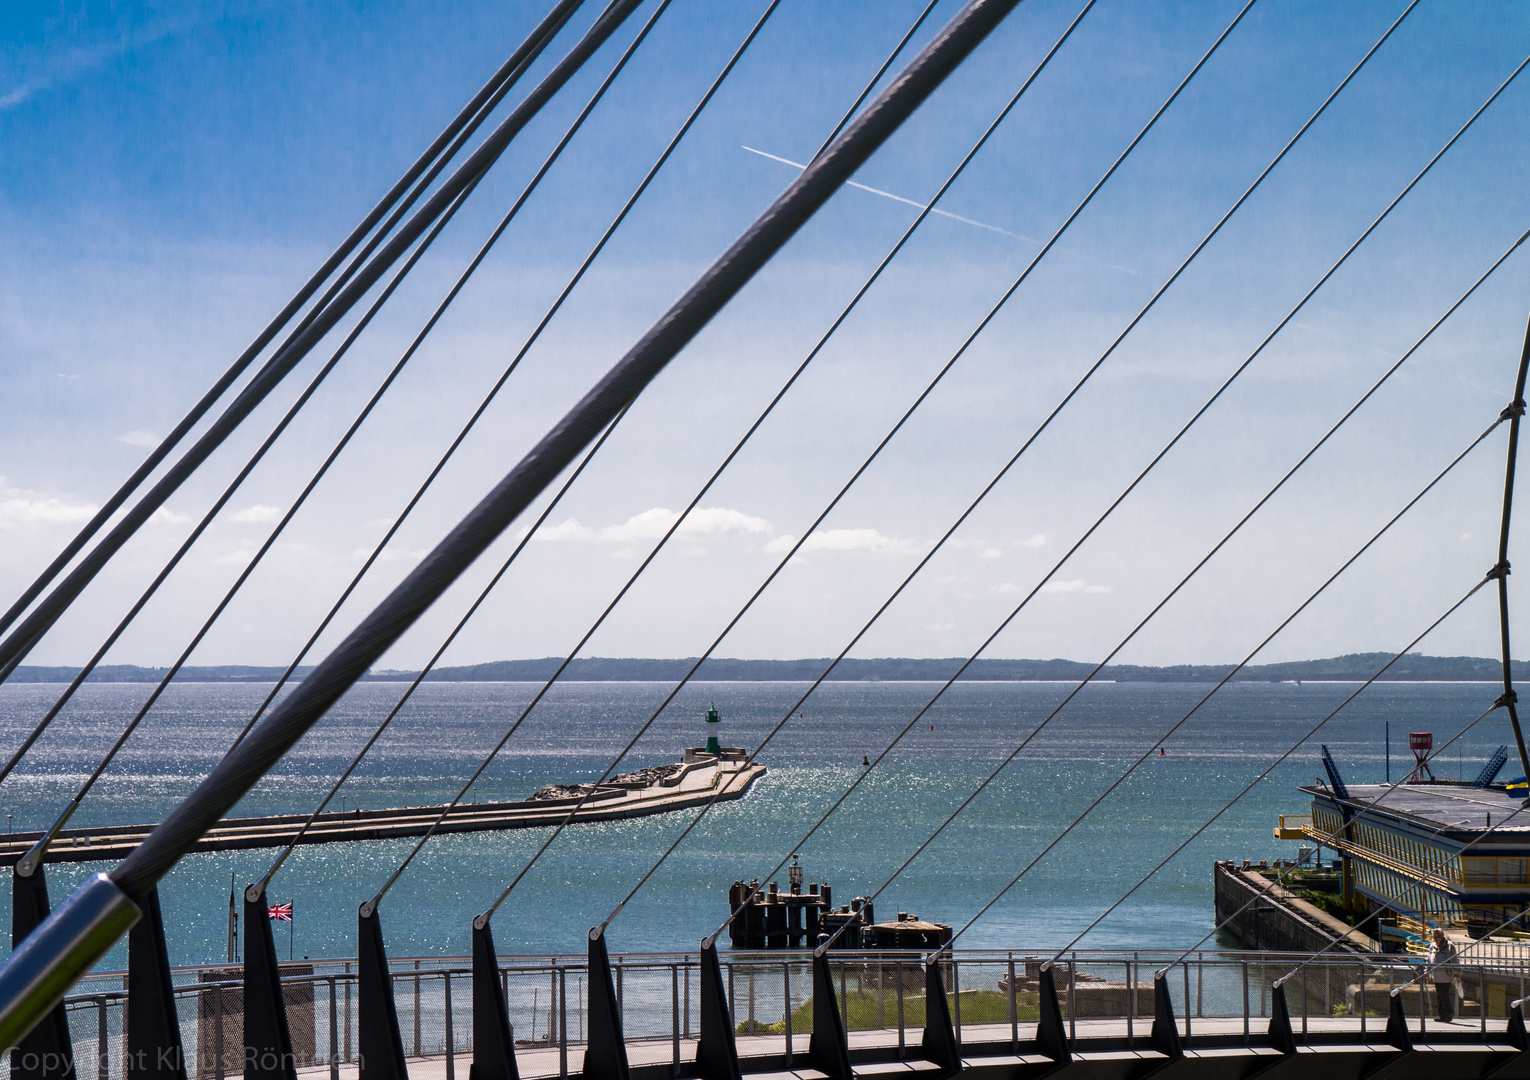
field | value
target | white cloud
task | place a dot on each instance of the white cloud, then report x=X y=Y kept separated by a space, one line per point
x=705 y=521
x=256 y=515
x=391 y=554
x=1039 y=540
x=1074 y=586
x=841 y=540
x=18 y=506
x=234 y=558
x=165 y=516
x=568 y=530
x=991 y=553
x=1055 y=588
x=139 y=438
x=654 y=523
x=649 y=525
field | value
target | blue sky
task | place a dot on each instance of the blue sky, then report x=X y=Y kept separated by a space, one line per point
x=168 y=179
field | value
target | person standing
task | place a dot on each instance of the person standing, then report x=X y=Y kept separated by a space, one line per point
x=1441 y=960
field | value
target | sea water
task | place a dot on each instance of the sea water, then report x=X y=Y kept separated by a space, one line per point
x=445 y=730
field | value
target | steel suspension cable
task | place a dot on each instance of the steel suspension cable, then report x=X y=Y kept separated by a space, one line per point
x=435 y=157
x=1499 y=571
x=1053 y=714
x=30 y=629
x=254 y=891
x=872 y=82
x=217 y=506
x=207 y=518
x=1328 y=837
x=792 y=710
x=1152 y=464
x=1220 y=544
x=738 y=447
x=1391 y=904
x=29 y=862
x=1509 y=696
x=1228 y=677
x=379 y=630
x=525 y=348
x=34 y=978
x=493 y=753
x=1255 y=782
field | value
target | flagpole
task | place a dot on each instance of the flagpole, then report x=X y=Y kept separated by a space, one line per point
x=233 y=920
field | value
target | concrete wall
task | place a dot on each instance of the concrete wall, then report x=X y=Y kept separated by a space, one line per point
x=1279 y=921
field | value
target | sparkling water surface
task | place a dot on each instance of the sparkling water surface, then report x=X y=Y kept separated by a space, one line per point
x=445 y=730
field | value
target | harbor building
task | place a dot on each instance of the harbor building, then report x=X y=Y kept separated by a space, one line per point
x=1444 y=853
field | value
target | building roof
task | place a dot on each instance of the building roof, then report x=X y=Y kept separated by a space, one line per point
x=1452 y=808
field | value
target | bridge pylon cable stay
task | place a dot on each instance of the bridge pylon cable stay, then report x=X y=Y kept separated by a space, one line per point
x=1237 y=527
x=664 y=156
x=1088 y=374
x=929 y=555
x=1306 y=737
x=254 y=891
x=521 y=353
x=1361 y=810
x=1497 y=572
x=1515 y=411
x=30 y=861
x=596 y=36
x=397 y=199
x=25 y=634
x=468 y=783
x=928 y=390
x=983 y=785
x=1151 y=465
x=728 y=460
x=35 y=976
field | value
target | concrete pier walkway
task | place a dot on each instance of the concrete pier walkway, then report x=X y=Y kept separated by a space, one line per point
x=691 y=785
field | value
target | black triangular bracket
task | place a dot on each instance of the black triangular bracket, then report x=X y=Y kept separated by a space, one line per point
x=1515 y=1032
x=46 y=1052
x=1051 y=1032
x=493 y=1041
x=1165 y=1034
x=1282 y=1038
x=1516 y=1037
x=605 y=1055
x=939 y=1044
x=267 y=1042
x=378 y=1038
x=828 y=1049
x=154 y=1028
x=716 y=1050
x=1397 y=1034
x=1397 y=1025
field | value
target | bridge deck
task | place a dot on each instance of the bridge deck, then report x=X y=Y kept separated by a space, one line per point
x=1338 y=1050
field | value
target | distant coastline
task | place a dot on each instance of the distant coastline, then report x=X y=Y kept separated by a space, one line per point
x=1354 y=667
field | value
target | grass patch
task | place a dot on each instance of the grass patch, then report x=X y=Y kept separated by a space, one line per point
x=978 y=1007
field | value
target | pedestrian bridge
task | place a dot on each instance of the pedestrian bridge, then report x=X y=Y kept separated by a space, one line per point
x=1106 y=1017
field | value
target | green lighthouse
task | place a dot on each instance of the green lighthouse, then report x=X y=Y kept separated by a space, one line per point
x=713 y=747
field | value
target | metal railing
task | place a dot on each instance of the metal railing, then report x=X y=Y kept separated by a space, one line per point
x=992 y=997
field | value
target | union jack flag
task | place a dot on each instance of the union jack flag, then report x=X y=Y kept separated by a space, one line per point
x=281 y=912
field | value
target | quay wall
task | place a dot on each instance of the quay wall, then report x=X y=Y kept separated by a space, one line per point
x=1279 y=920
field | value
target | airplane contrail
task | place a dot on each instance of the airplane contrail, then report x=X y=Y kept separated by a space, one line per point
x=899 y=198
